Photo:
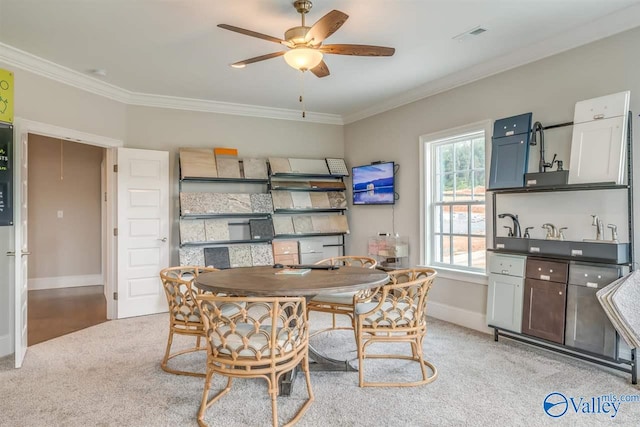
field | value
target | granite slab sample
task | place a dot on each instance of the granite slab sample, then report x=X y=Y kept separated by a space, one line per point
x=192 y=230
x=261 y=203
x=197 y=163
x=238 y=203
x=283 y=224
x=262 y=254
x=190 y=255
x=282 y=200
x=279 y=165
x=625 y=302
x=321 y=224
x=192 y=203
x=255 y=168
x=240 y=256
x=216 y=202
x=228 y=167
x=216 y=230
x=217 y=257
x=337 y=199
x=320 y=200
x=301 y=200
x=302 y=224
x=261 y=228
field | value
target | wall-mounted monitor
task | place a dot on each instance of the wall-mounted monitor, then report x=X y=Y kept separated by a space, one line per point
x=374 y=184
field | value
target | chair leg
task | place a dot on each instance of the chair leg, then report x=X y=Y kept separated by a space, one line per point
x=360 y=349
x=273 y=393
x=205 y=398
x=167 y=352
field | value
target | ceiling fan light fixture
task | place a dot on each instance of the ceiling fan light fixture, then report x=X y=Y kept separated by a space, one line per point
x=303 y=58
x=238 y=65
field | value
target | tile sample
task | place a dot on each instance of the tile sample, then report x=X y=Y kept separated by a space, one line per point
x=261 y=228
x=320 y=200
x=301 y=200
x=337 y=185
x=192 y=230
x=240 y=256
x=337 y=167
x=216 y=230
x=279 y=165
x=215 y=202
x=192 y=203
x=283 y=224
x=282 y=200
x=302 y=224
x=197 y=163
x=255 y=168
x=337 y=199
x=321 y=224
x=339 y=224
x=262 y=254
x=217 y=257
x=191 y=256
x=261 y=203
x=238 y=203
x=309 y=166
x=228 y=167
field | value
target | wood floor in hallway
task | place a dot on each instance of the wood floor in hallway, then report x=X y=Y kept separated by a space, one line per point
x=56 y=312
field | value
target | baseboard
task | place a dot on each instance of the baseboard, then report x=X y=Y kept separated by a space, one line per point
x=6 y=345
x=65 y=282
x=459 y=316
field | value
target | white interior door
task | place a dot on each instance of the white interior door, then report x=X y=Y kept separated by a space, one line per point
x=21 y=250
x=143 y=230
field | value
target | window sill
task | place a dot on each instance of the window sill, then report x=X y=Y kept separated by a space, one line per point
x=461 y=276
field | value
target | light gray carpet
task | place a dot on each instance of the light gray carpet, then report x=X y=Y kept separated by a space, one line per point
x=109 y=375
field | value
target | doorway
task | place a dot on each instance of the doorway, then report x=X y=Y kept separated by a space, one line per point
x=65 y=237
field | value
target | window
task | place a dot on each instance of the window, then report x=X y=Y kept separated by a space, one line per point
x=454 y=199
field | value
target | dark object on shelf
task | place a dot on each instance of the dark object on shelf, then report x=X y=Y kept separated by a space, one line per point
x=261 y=228
x=217 y=257
x=510 y=151
x=546 y=179
x=516 y=224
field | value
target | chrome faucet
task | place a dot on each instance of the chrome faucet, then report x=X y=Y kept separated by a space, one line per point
x=552 y=232
x=516 y=223
x=597 y=222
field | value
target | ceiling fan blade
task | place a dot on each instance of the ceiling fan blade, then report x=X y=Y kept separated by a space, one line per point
x=326 y=26
x=320 y=70
x=241 y=64
x=253 y=34
x=357 y=49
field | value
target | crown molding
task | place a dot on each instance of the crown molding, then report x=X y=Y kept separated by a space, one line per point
x=45 y=68
x=606 y=26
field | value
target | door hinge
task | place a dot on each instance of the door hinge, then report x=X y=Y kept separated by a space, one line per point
x=105 y=196
x=115 y=231
x=115 y=296
x=115 y=168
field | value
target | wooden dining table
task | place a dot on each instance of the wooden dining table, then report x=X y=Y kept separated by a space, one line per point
x=264 y=281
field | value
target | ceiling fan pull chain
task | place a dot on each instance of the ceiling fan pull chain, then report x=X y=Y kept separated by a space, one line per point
x=301 y=99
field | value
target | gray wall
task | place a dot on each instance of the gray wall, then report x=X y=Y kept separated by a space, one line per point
x=549 y=88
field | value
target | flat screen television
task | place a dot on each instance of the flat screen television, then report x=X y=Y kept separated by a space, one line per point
x=374 y=184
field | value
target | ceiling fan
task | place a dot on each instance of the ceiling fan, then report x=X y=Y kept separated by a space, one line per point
x=305 y=43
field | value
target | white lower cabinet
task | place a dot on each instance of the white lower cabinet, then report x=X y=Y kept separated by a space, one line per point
x=506 y=292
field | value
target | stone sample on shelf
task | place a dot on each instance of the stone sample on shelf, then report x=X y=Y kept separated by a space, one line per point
x=255 y=168
x=191 y=255
x=339 y=224
x=192 y=203
x=337 y=199
x=238 y=203
x=216 y=202
x=262 y=254
x=282 y=200
x=261 y=228
x=337 y=185
x=283 y=224
x=319 y=200
x=302 y=224
x=337 y=167
x=301 y=200
x=309 y=166
x=290 y=184
x=197 y=163
x=217 y=257
x=216 y=230
x=192 y=230
x=228 y=167
x=261 y=203
x=279 y=165
x=240 y=256
x=321 y=224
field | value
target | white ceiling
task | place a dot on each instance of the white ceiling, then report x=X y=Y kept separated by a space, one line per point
x=173 y=48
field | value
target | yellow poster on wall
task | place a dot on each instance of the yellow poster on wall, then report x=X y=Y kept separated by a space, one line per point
x=6 y=96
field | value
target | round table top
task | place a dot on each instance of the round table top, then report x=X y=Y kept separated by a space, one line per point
x=263 y=281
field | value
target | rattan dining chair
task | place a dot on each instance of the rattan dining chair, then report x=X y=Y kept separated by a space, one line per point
x=339 y=303
x=266 y=339
x=184 y=314
x=395 y=312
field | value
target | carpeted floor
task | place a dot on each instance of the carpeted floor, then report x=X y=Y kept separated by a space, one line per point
x=109 y=375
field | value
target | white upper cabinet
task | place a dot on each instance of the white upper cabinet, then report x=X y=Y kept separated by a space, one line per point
x=598 y=146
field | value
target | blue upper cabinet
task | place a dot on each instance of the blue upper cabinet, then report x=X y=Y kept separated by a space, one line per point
x=510 y=151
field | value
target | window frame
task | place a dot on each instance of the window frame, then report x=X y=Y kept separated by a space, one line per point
x=427 y=242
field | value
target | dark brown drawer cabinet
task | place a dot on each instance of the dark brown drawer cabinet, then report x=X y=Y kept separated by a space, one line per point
x=545 y=299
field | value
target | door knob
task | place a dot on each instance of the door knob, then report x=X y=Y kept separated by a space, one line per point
x=164 y=239
x=23 y=253
x=11 y=254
